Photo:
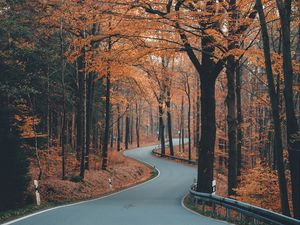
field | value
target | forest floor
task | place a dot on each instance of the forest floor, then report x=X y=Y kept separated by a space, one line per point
x=124 y=172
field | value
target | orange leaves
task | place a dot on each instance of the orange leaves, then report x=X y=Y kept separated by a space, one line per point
x=27 y=125
x=259 y=186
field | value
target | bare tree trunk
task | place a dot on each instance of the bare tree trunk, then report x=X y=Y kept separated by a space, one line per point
x=169 y=118
x=82 y=88
x=112 y=129
x=73 y=129
x=127 y=129
x=63 y=127
x=90 y=94
x=131 y=129
x=137 y=125
x=188 y=92
x=198 y=115
x=119 y=129
x=162 y=129
x=79 y=120
x=182 y=124
x=284 y=8
x=275 y=112
x=239 y=118
x=107 y=124
x=151 y=121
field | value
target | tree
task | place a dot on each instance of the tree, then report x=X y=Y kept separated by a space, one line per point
x=285 y=9
x=275 y=112
x=13 y=162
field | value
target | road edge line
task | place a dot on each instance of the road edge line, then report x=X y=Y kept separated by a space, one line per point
x=91 y=200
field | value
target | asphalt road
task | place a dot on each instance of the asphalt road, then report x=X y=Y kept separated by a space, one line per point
x=157 y=202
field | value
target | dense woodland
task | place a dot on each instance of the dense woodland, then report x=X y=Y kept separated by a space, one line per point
x=82 y=78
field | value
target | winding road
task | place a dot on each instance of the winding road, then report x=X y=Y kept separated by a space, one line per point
x=156 y=202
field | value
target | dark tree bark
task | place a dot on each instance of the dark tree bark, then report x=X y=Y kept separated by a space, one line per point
x=137 y=125
x=151 y=121
x=231 y=123
x=208 y=135
x=275 y=112
x=89 y=113
x=188 y=92
x=239 y=118
x=161 y=127
x=73 y=129
x=127 y=129
x=131 y=129
x=284 y=8
x=112 y=129
x=80 y=126
x=182 y=124
x=119 y=129
x=63 y=127
x=197 y=133
x=231 y=104
x=107 y=124
x=169 y=119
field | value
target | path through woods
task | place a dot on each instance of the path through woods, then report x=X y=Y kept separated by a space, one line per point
x=155 y=202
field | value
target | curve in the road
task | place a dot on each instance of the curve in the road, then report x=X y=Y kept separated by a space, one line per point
x=157 y=202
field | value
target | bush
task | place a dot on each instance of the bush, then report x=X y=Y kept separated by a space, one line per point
x=259 y=186
x=13 y=163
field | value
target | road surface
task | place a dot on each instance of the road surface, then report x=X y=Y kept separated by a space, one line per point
x=157 y=202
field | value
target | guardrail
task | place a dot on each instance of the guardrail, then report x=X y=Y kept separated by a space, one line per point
x=155 y=152
x=256 y=213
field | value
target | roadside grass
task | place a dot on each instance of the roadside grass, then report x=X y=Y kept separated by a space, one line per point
x=154 y=173
x=208 y=212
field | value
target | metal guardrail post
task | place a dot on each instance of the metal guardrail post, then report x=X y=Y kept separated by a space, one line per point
x=214 y=209
x=241 y=217
x=228 y=216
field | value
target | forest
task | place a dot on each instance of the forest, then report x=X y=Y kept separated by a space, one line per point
x=83 y=80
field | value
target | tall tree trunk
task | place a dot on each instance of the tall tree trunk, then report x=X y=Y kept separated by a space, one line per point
x=63 y=127
x=275 y=112
x=48 y=112
x=169 y=119
x=179 y=131
x=231 y=123
x=119 y=129
x=84 y=136
x=151 y=121
x=107 y=124
x=293 y=139
x=83 y=95
x=162 y=129
x=137 y=125
x=79 y=119
x=188 y=91
x=73 y=129
x=127 y=129
x=89 y=113
x=189 y=128
x=131 y=129
x=112 y=130
x=208 y=134
x=231 y=104
x=197 y=134
x=239 y=118
x=182 y=123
